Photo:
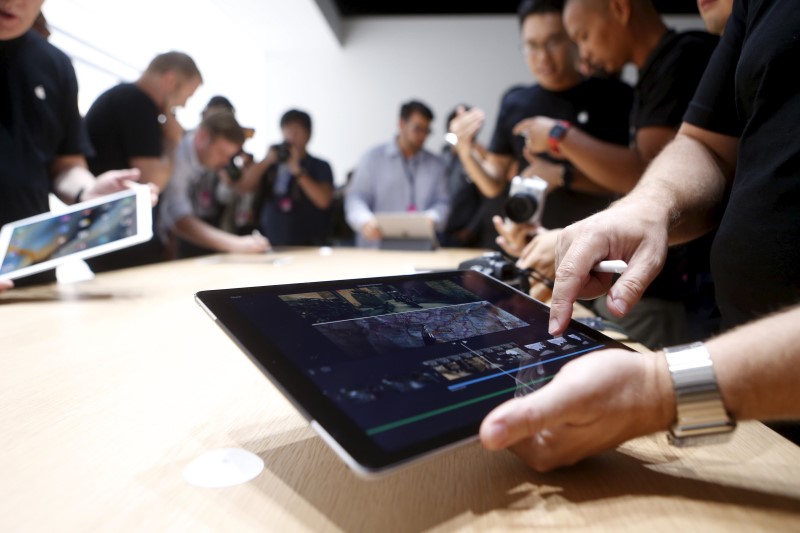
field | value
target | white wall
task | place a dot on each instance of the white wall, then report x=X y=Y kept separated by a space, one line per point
x=271 y=55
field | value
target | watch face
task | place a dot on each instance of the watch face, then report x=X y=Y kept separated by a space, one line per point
x=558 y=131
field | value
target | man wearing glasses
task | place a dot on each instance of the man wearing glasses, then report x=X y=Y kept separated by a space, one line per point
x=398 y=176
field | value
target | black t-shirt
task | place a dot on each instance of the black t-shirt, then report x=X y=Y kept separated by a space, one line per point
x=39 y=121
x=749 y=91
x=290 y=218
x=669 y=77
x=600 y=107
x=665 y=87
x=469 y=223
x=123 y=123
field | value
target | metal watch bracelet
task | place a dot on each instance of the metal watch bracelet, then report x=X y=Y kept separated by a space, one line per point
x=701 y=415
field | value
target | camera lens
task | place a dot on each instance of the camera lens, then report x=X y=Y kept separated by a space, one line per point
x=521 y=207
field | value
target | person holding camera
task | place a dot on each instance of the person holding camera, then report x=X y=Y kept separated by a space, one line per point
x=294 y=189
x=600 y=106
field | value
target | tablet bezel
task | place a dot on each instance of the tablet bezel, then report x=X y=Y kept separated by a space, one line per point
x=144 y=230
x=331 y=422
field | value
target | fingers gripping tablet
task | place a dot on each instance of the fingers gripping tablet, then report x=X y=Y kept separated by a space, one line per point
x=390 y=370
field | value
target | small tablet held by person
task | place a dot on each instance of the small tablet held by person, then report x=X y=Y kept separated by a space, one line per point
x=87 y=229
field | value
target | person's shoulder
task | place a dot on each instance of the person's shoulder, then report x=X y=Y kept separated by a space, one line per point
x=45 y=52
x=692 y=42
x=606 y=85
x=431 y=158
x=377 y=152
x=519 y=92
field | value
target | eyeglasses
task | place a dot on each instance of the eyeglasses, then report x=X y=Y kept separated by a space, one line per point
x=416 y=128
x=550 y=46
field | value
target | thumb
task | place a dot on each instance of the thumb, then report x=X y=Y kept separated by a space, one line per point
x=520 y=419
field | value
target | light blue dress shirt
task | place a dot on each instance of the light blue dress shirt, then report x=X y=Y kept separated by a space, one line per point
x=384 y=181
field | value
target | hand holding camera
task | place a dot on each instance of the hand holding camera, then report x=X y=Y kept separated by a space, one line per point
x=525 y=201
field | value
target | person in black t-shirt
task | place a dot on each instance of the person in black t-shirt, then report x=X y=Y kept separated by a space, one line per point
x=600 y=106
x=42 y=140
x=735 y=162
x=134 y=125
x=294 y=189
x=670 y=67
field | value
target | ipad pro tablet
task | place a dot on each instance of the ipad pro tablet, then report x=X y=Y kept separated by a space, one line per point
x=406 y=231
x=83 y=230
x=393 y=369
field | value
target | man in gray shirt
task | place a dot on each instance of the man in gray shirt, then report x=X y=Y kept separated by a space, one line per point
x=210 y=147
x=398 y=176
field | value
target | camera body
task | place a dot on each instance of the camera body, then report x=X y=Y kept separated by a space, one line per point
x=525 y=201
x=496 y=265
x=283 y=151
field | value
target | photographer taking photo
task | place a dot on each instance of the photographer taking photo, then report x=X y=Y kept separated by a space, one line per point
x=294 y=189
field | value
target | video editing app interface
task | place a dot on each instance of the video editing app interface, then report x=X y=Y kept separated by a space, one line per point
x=408 y=360
x=69 y=233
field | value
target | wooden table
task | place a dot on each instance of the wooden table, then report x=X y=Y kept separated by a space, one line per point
x=109 y=388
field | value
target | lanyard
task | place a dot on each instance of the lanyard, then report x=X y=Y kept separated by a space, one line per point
x=410 y=176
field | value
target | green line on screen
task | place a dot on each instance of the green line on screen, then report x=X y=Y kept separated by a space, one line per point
x=441 y=410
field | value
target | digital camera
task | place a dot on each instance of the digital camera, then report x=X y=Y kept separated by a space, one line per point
x=494 y=264
x=525 y=200
x=283 y=151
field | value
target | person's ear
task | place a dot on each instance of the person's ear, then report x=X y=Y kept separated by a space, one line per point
x=202 y=138
x=620 y=10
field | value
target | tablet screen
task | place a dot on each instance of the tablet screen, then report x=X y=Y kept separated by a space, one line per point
x=396 y=367
x=47 y=238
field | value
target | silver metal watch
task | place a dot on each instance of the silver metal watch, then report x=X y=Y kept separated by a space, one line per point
x=701 y=415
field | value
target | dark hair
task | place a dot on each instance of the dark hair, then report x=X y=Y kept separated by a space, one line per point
x=219 y=102
x=415 y=106
x=175 y=61
x=223 y=124
x=295 y=116
x=538 y=7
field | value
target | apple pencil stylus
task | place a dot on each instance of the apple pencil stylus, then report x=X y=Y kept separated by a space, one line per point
x=615 y=266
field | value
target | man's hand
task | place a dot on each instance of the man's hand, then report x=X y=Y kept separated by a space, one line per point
x=594 y=403
x=118 y=180
x=633 y=231
x=371 y=230
x=552 y=173
x=537 y=132
x=512 y=237
x=248 y=244
x=466 y=126
x=540 y=255
x=6 y=284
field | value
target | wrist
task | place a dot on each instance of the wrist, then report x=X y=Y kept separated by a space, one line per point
x=557 y=134
x=665 y=390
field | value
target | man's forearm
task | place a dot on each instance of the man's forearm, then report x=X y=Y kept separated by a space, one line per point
x=490 y=181
x=614 y=167
x=202 y=234
x=686 y=182
x=71 y=177
x=757 y=367
x=320 y=194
